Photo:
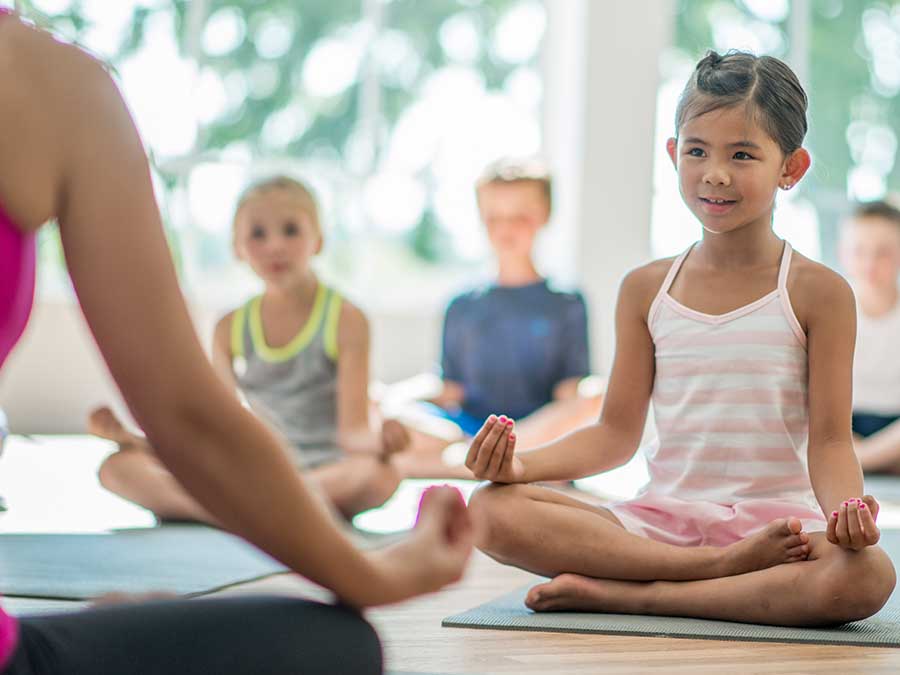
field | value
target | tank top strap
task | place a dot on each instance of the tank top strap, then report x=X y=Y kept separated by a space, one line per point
x=667 y=283
x=238 y=329
x=785 y=267
x=330 y=324
x=787 y=307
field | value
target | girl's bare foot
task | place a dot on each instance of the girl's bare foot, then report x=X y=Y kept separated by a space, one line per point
x=103 y=422
x=573 y=592
x=781 y=541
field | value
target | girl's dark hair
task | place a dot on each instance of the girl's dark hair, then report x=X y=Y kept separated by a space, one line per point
x=765 y=84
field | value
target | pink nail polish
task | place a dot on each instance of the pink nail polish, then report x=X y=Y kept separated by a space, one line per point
x=834 y=514
x=846 y=503
x=509 y=423
x=862 y=506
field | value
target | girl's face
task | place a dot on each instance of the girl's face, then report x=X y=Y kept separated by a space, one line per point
x=513 y=213
x=276 y=236
x=729 y=169
x=870 y=252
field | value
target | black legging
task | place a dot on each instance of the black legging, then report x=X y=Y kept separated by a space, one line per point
x=233 y=636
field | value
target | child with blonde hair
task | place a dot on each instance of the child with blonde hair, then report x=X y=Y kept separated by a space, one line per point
x=298 y=353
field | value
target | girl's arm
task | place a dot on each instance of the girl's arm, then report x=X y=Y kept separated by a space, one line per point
x=354 y=433
x=123 y=275
x=831 y=335
x=826 y=303
x=615 y=438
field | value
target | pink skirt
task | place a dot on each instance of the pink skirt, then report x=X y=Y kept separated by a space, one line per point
x=695 y=523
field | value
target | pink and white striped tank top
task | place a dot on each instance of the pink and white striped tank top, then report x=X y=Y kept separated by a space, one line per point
x=730 y=400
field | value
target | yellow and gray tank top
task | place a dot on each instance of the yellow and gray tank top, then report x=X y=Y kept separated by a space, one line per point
x=293 y=387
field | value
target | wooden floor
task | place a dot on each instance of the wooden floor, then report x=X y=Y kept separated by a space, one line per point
x=413 y=638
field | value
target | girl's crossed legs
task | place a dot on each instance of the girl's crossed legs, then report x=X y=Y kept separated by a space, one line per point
x=599 y=566
x=352 y=484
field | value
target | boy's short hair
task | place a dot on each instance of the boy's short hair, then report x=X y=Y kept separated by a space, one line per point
x=519 y=170
x=877 y=209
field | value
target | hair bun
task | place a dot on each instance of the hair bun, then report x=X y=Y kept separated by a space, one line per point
x=711 y=60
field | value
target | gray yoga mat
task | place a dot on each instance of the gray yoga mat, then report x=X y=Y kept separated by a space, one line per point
x=180 y=558
x=183 y=559
x=509 y=613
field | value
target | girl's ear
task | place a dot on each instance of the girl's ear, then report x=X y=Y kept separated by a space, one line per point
x=671 y=148
x=795 y=167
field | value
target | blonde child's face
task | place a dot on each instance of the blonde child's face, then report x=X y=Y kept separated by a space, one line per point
x=276 y=236
x=729 y=169
x=870 y=252
x=513 y=213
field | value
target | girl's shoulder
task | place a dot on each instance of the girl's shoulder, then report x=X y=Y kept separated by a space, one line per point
x=813 y=288
x=647 y=279
x=641 y=285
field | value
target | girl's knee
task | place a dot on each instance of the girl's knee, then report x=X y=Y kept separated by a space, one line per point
x=491 y=507
x=857 y=585
x=112 y=471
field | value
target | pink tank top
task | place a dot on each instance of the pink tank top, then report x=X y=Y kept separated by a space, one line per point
x=730 y=399
x=17 y=260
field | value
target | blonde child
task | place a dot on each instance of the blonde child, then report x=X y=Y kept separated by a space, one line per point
x=517 y=343
x=299 y=353
x=754 y=510
x=870 y=252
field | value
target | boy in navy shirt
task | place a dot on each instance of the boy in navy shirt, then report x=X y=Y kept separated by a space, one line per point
x=515 y=346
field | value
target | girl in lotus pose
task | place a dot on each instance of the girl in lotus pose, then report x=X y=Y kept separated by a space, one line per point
x=754 y=510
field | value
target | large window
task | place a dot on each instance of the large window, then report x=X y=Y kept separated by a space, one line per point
x=389 y=108
x=848 y=56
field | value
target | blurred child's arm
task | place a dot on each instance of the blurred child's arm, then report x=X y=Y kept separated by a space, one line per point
x=615 y=438
x=566 y=389
x=222 y=358
x=826 y=303
x=354 y=433
x=450 y=396
x=881 y=450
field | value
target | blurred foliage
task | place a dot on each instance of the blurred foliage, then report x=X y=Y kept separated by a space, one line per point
x=333 y=120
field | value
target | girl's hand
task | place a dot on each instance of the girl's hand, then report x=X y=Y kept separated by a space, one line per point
x=394 y=438
x=853 y=526
x=492 y=453
x=434 y=555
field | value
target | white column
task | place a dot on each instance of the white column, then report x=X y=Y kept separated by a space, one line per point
x=601 y=75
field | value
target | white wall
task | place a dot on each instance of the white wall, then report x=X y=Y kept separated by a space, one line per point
x=601 y=78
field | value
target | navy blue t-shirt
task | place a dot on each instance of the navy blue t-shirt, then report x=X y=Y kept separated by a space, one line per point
x=509 y=346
